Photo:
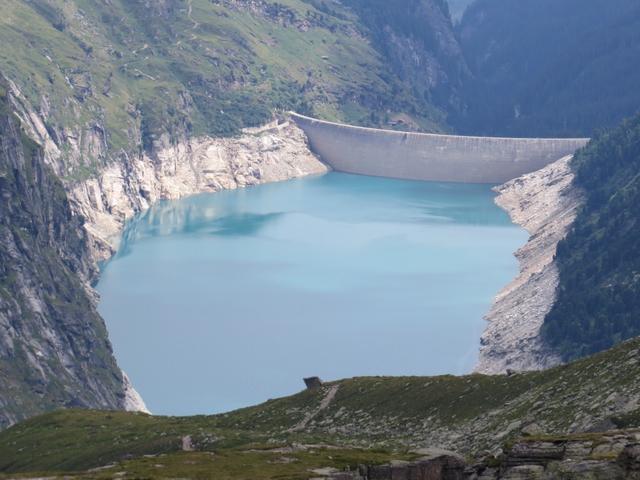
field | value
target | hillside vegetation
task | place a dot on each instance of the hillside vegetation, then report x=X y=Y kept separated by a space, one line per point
x=598 y=302
x=380 y=414
x=548 y=67
x=112 y=77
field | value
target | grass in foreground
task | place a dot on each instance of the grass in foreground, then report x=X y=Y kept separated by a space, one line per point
x=395 y=414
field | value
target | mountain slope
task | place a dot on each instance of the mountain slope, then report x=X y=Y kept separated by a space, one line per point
x=550 y=68
x=110 y=78
x=54 y=350
x=117 y=89
x=468 y=414
x=457 y=8
x=598 y=302
x=419 y=45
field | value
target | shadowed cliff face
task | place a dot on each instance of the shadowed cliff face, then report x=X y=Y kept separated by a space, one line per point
x=416 y=39
x=53 y=345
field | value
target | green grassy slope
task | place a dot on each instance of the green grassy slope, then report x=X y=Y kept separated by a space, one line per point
x=467 y=413
x=136 y=70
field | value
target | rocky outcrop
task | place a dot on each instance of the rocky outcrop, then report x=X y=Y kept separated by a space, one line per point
x=174 y=166
x=54 y=350
x=275 y=152
x=433 y=464
x=609 y=456
x=545 y=204
x=132 y=401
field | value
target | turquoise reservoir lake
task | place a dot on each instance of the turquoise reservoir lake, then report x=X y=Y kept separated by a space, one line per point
x=223 y=300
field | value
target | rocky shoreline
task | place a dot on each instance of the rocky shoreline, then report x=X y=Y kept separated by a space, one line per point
x=545 y=204
x=272 y=153
x=104 y=202
x=542 y=202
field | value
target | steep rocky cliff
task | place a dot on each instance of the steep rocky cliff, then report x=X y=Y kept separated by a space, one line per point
x=578 y=289
x=54 y=350
x=95 y=210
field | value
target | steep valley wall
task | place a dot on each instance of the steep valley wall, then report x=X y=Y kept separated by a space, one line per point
x=420 y=156
x=273 y=153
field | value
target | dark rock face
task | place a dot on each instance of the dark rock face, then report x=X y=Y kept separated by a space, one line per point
x=610 y=455
x=607 y=456
x=417 y=40
x=436 y=465
x=629 y=459
x=312 y=382
x=54 y=350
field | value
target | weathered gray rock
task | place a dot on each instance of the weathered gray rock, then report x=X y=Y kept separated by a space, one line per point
x=544 y=203
x=629 y=458
x=598 y=457
x=435 y=465
x=522 y=472
x=54 y=350
x=536 y=453
x=272 y=153
x=566 y=458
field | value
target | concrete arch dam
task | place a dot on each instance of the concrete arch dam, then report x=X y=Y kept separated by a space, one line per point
x=423 y=156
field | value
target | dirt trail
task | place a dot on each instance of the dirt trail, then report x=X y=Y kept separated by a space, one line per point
x=326 y=401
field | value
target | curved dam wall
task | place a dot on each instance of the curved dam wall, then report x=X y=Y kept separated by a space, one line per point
x=423 y=156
